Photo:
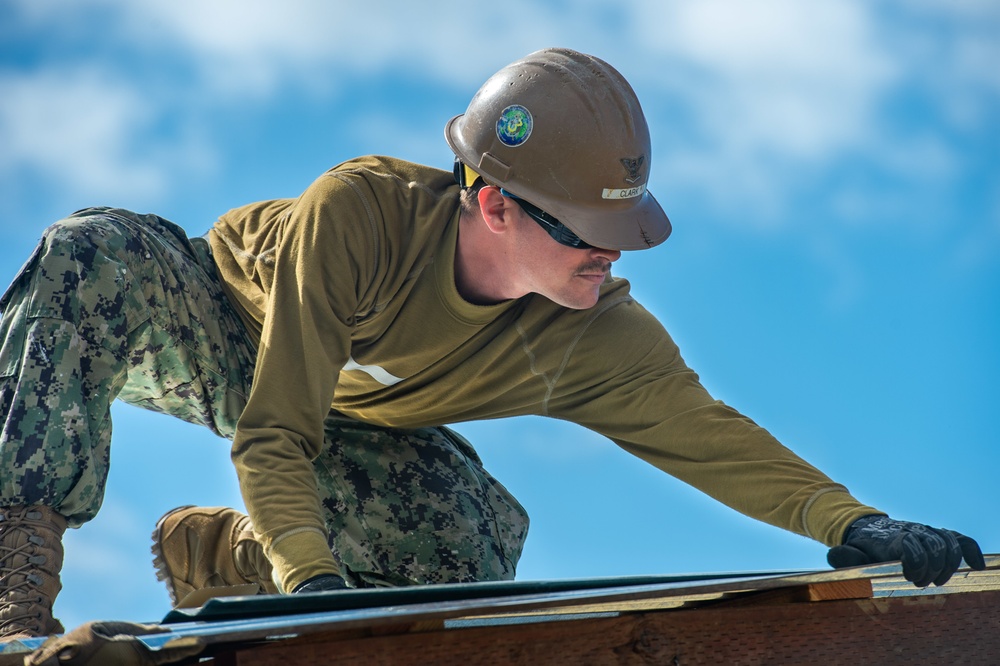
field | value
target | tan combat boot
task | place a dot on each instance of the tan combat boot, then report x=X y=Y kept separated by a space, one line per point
x=31 y=556
x=201 y=547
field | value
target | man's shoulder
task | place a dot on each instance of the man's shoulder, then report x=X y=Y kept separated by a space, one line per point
x=616 y=338
x=617 y=321
x=382 y=171
x=619 y=315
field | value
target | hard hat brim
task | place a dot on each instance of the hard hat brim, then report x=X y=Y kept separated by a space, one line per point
x=640 y=227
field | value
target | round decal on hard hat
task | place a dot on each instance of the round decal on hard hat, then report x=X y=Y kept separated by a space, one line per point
x=514 y=125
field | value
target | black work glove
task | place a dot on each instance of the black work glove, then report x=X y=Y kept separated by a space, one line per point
x=929 y=555
x=321 y=583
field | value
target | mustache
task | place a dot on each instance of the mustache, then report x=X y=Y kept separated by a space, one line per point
x=595 y=267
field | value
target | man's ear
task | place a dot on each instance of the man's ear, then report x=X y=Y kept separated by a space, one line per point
x=495 y=209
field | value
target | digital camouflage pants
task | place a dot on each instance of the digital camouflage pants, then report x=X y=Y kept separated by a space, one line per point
x=113 y=304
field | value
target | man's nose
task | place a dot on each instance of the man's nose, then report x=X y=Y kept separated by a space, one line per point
x=610 y=255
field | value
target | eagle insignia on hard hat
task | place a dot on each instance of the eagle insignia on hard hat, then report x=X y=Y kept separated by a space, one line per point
x=632 y=166
x=514 y=125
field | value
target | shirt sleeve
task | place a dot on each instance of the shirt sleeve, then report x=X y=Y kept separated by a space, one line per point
x=652 y=405
x=321 y=260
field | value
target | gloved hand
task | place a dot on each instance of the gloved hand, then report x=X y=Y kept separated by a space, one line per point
x=119 y=643
x=928 y=555
x=321 y=583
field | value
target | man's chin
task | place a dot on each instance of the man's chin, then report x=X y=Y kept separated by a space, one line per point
x=578 y=302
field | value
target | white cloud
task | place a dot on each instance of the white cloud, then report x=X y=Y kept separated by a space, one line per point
x=74 y=126
x=87 y=130
x=97 y=127
x=958 y=70
x=240 y=47
x=774 y=76
x=764 y=100
x=777 y=75
x=773 y=92
x=751 y=102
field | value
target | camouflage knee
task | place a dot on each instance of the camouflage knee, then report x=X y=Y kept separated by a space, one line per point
x=415 y=506
x=63 y=360
x=111 y=304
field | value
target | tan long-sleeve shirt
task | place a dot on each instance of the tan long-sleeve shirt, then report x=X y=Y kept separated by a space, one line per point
x=350 y=291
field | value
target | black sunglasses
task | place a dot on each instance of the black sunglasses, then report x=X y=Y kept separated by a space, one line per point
x=560 y=232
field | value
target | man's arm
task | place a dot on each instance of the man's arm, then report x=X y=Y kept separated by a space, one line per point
x=653 y=406
x=305 y=341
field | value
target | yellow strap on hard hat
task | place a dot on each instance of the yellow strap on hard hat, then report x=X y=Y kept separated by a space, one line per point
x=469 y=176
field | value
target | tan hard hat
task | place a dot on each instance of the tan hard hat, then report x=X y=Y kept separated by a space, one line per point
x=564 y=131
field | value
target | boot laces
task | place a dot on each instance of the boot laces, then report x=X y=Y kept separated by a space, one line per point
x=17 y=582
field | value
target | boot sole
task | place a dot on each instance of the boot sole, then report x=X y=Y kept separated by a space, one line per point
x=163 y=572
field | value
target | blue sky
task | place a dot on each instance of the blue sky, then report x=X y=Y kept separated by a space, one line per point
x=832 y=170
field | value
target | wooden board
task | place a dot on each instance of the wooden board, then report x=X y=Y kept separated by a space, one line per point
x=934 y=629
x=606 y=620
